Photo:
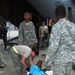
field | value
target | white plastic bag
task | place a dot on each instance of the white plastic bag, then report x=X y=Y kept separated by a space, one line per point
x=49 y=72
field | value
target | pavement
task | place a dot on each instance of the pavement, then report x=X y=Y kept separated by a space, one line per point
x=10 y=69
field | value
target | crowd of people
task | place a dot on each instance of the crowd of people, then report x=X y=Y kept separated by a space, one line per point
x=58 y=36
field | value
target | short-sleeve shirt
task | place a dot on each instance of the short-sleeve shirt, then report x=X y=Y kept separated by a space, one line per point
x=42 y=29
x=23 y=50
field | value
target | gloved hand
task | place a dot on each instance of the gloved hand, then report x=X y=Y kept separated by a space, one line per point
x=28 y=69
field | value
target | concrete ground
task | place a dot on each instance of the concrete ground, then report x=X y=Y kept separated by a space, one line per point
x=10 y=69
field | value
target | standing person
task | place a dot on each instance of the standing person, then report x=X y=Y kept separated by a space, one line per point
x=27 y=35
x=2 y=61
x=50 y=25
x=23 y=58
x=4 y=36
x=43 y=33
x=61 y=51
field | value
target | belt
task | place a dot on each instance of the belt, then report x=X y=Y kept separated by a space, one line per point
x=15 y=50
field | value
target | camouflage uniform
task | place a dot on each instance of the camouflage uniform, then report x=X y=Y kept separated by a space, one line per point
x=27 y=34
x=1 y=46
x=61 y=51
x=2 y=61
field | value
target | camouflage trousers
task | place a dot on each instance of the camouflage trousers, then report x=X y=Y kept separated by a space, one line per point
x=2 y=61
x=1 y=46
x=16 y=60
x=63 y=69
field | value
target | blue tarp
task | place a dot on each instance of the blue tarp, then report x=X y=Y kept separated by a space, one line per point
x=34 y=70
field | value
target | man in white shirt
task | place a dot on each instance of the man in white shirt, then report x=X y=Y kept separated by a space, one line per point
x=43 y=33
x=23 y=57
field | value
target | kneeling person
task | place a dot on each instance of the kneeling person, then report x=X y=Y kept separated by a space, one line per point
x=23 y=57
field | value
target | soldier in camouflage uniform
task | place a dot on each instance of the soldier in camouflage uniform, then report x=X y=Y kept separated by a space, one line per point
x=27 y=34
x=61 y=51
x=22 y=57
